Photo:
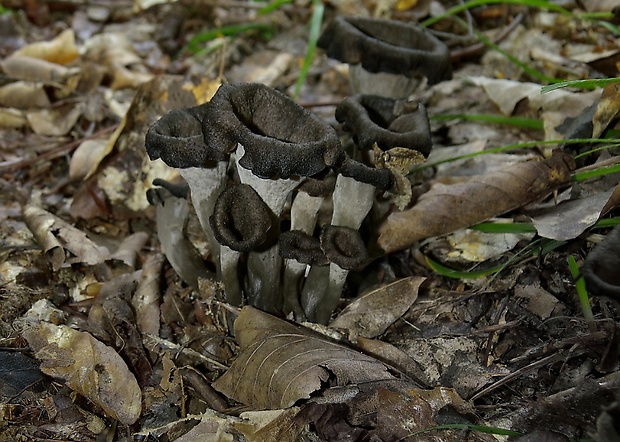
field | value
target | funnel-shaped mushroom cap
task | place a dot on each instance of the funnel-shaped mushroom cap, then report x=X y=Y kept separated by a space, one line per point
x=302 y=247
x=241 y=219
x=382 y=179
x=387 y=46
x=388 y=122
x=602 y=266
x=343 y=246
x=177 y=139
x=280 y=137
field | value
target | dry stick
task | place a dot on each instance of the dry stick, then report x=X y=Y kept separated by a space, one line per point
x=12 y=166
x=551 y=358
x=478 y=48
x=496 y=318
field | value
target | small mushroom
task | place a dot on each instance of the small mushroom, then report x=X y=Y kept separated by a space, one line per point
x=398 y=131
x=345 y=250
x=177 y=139
x=385 y=121
x=300 y=250
x=307 y=202
x=386 y=56
x=241 y=222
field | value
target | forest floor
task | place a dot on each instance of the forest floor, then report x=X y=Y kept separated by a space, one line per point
x=460 y=334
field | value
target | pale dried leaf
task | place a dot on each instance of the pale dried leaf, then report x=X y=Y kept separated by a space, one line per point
x=23 y=95
x=87 y=158
x=61 y=50
x=40 y=223
x=607 y=109
x=445 y=209
x=12 y=119
x=145 y=300
x=375 y=310
x=569 y=219
x=281 y=363
x=55 y=235
x=129 y=249
x=21 y=67
x=475 y=246
x=89 y=367
x=54 y=122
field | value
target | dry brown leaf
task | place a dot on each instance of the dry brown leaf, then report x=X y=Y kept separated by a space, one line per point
x=375 y=310
x=607 y=109
x=281 y=363
x=569 y=219
x=444 y=209
x=21 y=67
x=61 y=50
x=87 y=157
x=145 y=301
x=88 y=367
x=24 y=95
x=54 y=122
x=54 y=235
x=395 y=357
x=12 y=119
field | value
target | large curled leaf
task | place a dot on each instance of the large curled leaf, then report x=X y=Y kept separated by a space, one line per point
x=444 y=209
x=281 y=363
x=89 y=367
x=375 y=310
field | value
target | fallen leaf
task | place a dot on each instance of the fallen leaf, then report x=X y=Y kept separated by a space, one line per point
x=146 y=300
x=23 y=95
x=89 y=367
x=375 y=310
x=54 y=122
x=86 y=158
x=281 y=363
x=607 y=109
x=474 y=246
x=569 y=219
x=21 y=67
x=445 y=209
x=49 y=230
x=61 y=50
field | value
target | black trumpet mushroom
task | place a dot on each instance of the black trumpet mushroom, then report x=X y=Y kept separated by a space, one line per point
x=386 y=57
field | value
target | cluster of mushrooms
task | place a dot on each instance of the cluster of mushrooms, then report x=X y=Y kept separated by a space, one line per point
x=259 y=168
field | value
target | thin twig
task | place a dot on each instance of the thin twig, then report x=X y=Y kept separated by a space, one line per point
x=12 y=166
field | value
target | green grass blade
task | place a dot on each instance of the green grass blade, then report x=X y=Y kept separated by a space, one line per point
x=276 y=4
x=491 y=227
x=315 y=28
x=514 y=60
x=581 y=84
x=456 y=274
x=226 y=31
x=542 y=4
x=582 y=293
x=509 y=147
x=596 y=173
x=526 y=123
x=607 y=222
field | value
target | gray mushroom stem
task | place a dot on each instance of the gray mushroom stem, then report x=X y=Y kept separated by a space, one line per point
x=352 y=201
x=304 y=213
x=172 y=213
x=205 y=185
x=264 y=288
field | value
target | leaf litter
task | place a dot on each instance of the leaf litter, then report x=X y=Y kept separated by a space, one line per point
x=91 y=288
